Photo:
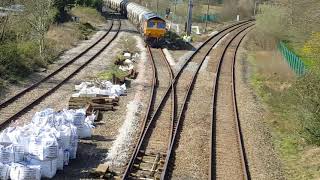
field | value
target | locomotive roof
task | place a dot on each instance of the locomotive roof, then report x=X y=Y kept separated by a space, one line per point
x=149 y=16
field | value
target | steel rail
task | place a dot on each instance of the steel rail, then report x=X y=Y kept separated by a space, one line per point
x=212 y=173
x=186 y=99
x=151 y=101
x=173 y=93
x=39 y=99
x=134 y=155
x=28 y=89
x=236 y=113
x=147 y=124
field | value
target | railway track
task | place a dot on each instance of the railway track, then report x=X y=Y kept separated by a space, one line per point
x=228 y=154
x=151 y=157
x=150 y=153
x=21 y=103
x=185 y=84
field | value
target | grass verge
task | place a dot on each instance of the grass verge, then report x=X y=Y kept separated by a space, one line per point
x=19 y=54
x=286 y=117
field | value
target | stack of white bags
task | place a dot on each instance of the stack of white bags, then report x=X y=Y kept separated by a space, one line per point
x=106 y=88
x=37 y=150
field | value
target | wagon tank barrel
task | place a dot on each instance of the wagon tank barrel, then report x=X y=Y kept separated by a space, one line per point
x=151 y=26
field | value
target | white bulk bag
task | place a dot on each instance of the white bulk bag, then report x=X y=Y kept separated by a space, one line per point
x=8 y=135
x=66 y=157
x=84 y=131
x=68 y=115
x=43 y=117
x=4 y=138
x=24 y=172
x=48 y=167
x=36 y=147
x=78 y=117
x=4 y=171
x=128 y=61
x=65 y=137
x=106 y=84
x=82 y=85
x=50 y=147
x=43 y=147
x=6 y=154
x=60 y=119
x=24 y=137
x=60 y=159
x=90 y=119
x=18 y=152
x=73 y=150
x=73 y=142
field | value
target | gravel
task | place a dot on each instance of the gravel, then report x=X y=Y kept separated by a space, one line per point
x=264 y=162
x=183 y=56
x=191 y=160
x=52 y=82
x=119 y=153
x=122 y=148
x=94 y=151
x=192 y=153
x=65 y=57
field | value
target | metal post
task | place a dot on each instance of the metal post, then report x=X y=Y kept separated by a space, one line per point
x=157 y=7
x=189 y=22
x=207 y=15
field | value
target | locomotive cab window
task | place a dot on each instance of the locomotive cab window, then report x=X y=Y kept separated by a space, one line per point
x=161 y=25
x=151 y=24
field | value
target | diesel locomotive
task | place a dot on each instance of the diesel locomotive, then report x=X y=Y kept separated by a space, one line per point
x=151 y=26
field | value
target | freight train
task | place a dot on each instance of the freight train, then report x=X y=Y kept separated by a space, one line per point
x=151 y=26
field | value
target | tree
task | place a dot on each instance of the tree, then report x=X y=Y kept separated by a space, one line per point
x=5 y=19
x=39 y=14
x=62 y=7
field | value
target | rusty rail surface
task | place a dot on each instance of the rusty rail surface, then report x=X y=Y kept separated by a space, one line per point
x=171 y=90
x=150 y=119
x=187 y=97
x=243 y=157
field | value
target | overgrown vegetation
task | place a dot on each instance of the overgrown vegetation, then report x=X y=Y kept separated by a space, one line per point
x=112 y=72
x=32 y=37
x=294 y=103
x=127 y=44
x=232 y=8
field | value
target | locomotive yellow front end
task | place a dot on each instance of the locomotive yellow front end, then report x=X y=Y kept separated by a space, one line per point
x=154 y=28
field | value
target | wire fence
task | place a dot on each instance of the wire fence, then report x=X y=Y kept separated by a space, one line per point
x=295 y=63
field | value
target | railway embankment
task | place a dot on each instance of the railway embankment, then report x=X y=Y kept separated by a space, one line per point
x=282 y=70
x=22 y=65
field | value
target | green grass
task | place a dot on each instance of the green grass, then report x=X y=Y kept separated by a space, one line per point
x=114 y=70
x=19 y=54
x=88 y=15
x=286 y=124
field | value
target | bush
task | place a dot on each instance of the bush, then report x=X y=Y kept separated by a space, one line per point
x=13 y=65
x=311 y=49
x=128 y=44
x=98 y=4
x=85 y=30
x=114 y=71
x=306 y=104
x=28 y=51
x=272 y=21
